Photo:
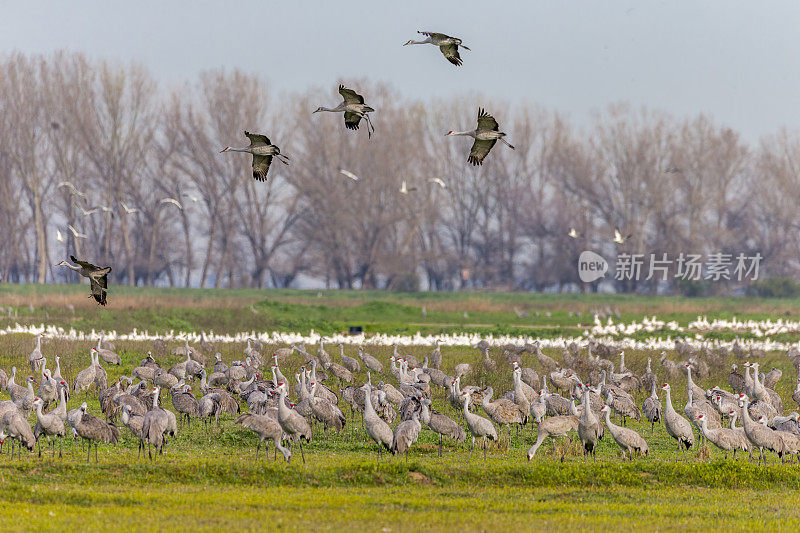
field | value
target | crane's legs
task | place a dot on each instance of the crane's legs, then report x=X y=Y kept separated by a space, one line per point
x=440 y=445
x=484 y=445
x=258 y=447
x=471 y=448
x=89 y=453
x=300 y=440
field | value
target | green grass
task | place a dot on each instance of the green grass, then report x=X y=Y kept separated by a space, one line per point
x=209 y=479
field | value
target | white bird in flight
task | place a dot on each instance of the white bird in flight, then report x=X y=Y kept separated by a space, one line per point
x=85 y=212
x=59 y=237
x=72 y=189
x=405 y=189
x=128 y=210
x=618 y=238
x=348 y=174
x=75 y=232
x=573 y=233
x=172 y=201
x=438 y=181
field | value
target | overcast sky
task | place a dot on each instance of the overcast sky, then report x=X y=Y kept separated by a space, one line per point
x=735 y=60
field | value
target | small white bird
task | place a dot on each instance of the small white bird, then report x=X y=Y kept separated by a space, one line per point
x=59 y=237
x=438 y=181
x=75 y=232
x=573 y=233
x=348 y=174
x=405 y=189
x=85 y=212
x=72 y=189
x=618 y=238
x=172 y=201
x=106 y=209
x=128 y=210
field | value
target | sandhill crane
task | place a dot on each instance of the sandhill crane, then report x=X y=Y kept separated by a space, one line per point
x=678 y=427
x=436 y=356
x=588 y=426
x=326 y=412
x=48 y=388
x=448 y=45
x=503 y=412
x=294 y=425
x=556 y=426
x=128 y=210
x=377 y=429
x=157 y=422
x=477 y=425
x=652 y=407
x=92 y=429
x=648 y=379
x=263 y=151
x=438 y=181
x=489 y=365
x=354 y=110
x=406 y=434
x=76 y=233
x=72 y=189
x=349 y=363
x=36 y=359
x=107 y=355
x=49 y=425
x=185 y=404
x=486 y=135
x=98 y=277
x=265 y=427
x=134 y=423
x=14 y=390
x=626 y=438
x=369 y=361
x=760 y=436
x=171 y=201
x=14 y=425
x=623 y=406
x=723 y=438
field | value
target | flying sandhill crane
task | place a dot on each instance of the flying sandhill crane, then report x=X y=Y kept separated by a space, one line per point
x=678 y=427
x=626 y=438
x=92 y=429
x=292 y=423
x=263 y=151
x=486 y=135
x=98 y=277
x=354 y=110
x=377 y=429
x=266 y=427
x=448 y=45
x=477 y=425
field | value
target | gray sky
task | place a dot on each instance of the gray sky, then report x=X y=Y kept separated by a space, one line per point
x=738 y=61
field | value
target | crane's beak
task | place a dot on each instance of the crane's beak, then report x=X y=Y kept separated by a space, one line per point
x=409 y=42
x=465 y=47
x=225 y=149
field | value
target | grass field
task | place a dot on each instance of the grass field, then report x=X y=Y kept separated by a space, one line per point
x=210 y=480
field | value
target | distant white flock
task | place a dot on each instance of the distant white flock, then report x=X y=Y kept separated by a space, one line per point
x=608 y=333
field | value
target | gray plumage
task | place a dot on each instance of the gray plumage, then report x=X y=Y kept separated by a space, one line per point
x=349 y=363
x=406 y=434
x=369 y=361
x=556 y=426
x=626 y=438
x=652 y=407
x=266 y=428
x=94 y=430
x=477 y=425
x=588 y=426
x=378 y=430
x=678 y=427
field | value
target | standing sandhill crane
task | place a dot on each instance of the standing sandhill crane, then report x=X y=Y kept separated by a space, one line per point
x=760 y=436
x=652 y=408
x=503 y=412
x=49 y=425
x=36 y=359
x=448 y=45
x=354 y=110
x=156 y=423
x=678 y=427
x=292 y=423
x=265 y=427
x=134 y=423
x=349 y=363
x=736 y=380
x=185 y=403
x=406 y=434
x=441 y=424
x=377 y=429
x=92 y=429
x=369 y=361
x=723 y=438
x=477 y=425
x=107 y=355
x=263 y=151
x=626 y=438
x=98 y=277
x=14 y=425
x=486 y=135
x=436 y=356
x=588 y=426
x=326 y=412
x=556 y=426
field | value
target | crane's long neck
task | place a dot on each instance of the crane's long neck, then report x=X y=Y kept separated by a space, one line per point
x=470 y=133
x=668 y=402
x=368 y=409
x=155 y=398
x=38 y=409
x=587 y=406
x=426 y=41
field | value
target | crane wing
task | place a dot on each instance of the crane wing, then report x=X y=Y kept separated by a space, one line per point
x=479 y=151
x=99 y=285
x=350 y=96
x=351 y=120
x=84 y=264
x=486 y=122
x=256 y=139
x=261 y=165
x=434 y=36
x=450 y=52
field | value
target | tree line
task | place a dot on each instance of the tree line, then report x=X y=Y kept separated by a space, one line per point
x=90 y=148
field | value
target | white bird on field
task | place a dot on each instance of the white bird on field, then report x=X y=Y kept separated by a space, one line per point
x=128 y=210
x=172 y=201
x=75 y=233
x=348 y=174
x=405 y=189
x=438 y=181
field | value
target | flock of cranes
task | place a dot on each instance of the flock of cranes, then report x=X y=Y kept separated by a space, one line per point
x=289 y=412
